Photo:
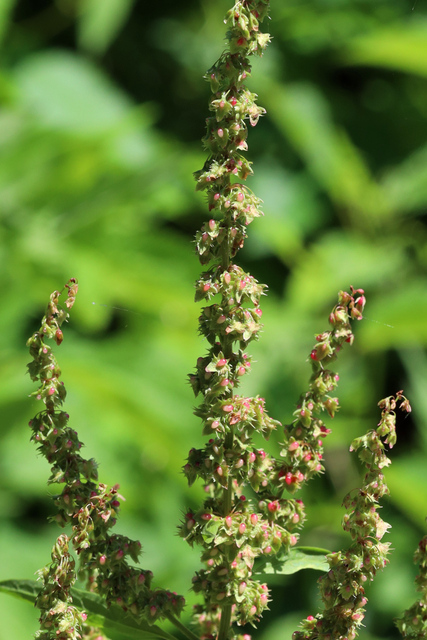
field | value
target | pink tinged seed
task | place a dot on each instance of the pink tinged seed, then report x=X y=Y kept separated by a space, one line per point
x=219 y=471
x=153 y=610
x=273 y=506
x=254 y=518
x=212 y=224
x=228 y=521
x=293 y=540
x=227 y=278
x=242 y=587
x=221 y=595
x=190 y=523
x=242 y=528
x=225 y=382
x=210 y=562
x=264 y=598
x=239 y=463
x=141 y=578
x=289 y=478
x=240 y=197
x=310 y=618
x=241 y=371
x=119 y=554
x=295 y=518
x=293 y=446
x=221 y=362
x=206 y=286
x=242 y=284
x=234 y=564
x=267 y=550
x=102 y=560
x=51 y=391
x=215 y=424
x=206 y=516
x=252 y=457
x=222 y=104
x=253 y=610
x=221 y=319
x=227 y=408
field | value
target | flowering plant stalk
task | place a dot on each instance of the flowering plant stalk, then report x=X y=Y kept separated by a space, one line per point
x=343 y=587
x=249 y=519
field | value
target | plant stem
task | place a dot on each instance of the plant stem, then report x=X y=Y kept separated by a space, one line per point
x=184 y=630
x=225 y=623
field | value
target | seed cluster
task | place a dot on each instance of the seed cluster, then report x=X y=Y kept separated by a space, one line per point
x=343 y=587
x=413 y=624
x=231 y=528
x=90 y=507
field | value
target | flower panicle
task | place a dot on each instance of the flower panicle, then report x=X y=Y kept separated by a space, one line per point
x=413 y=622
x=89 y=506
x=343 y=587
x=302 y=450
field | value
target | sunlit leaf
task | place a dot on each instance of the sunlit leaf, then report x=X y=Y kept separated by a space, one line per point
x=400 y=47
x=100 y=21
x=112 y=620
x=297 y=559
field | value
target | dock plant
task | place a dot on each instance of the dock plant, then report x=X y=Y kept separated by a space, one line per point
x=249 y=523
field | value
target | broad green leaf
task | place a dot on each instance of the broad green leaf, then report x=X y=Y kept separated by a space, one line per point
x=6 y=7
x=112 y=620
x=100 y=21
x=405 y=185
x=65 y=91
x=302 y=114
x=296 y=560
x=401 y=47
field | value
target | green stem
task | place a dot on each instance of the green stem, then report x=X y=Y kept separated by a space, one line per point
x=186 y=632
x=224 y=627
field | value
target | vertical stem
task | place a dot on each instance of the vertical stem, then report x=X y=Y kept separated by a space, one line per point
x=225 y=623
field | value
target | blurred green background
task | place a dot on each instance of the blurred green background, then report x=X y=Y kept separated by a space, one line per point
x=102 y=111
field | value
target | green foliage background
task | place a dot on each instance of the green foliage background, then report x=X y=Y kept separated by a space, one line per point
x=102 y=111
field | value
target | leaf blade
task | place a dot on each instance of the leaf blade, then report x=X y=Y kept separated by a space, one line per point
x=112 y=620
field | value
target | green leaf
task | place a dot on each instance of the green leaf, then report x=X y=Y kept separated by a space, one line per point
x=100 y=22
x=296 y=560
x=114 y=621
x=302 y=114
x=400 y=48
x=6 y=7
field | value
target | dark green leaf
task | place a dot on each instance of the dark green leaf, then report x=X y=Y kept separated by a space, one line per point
x=114 y=621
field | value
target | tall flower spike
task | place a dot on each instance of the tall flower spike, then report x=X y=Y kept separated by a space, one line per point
x=343 y=587
x=89 y=507
x=413 y=623
x=231 y=529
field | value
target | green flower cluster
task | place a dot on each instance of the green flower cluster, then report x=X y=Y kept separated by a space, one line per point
x=90 y=507
x=343 y=587
x=413 y=623
x=233 y=529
